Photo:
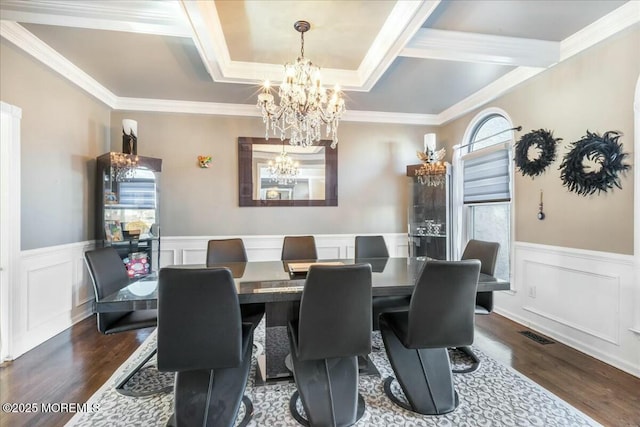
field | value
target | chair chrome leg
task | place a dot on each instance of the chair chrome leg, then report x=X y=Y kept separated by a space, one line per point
x=120 y=386
x=474 y=366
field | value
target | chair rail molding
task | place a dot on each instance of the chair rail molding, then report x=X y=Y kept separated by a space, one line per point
x=582 y=298
x=178 y=250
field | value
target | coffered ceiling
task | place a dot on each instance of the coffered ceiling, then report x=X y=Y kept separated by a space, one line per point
x=422 y=62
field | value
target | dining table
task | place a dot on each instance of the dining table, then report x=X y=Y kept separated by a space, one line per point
x=279 y=286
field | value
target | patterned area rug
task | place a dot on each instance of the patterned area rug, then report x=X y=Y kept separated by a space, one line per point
x=494 y=395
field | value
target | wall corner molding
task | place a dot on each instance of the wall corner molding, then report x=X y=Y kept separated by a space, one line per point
x=35 y=47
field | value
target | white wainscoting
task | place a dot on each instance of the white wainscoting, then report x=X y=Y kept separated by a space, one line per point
x=55 y=290
x=584 y=299
x=176 y=250
x=53 y=293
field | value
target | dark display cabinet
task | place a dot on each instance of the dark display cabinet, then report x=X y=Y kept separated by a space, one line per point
x=127 y=214
x=429 y=219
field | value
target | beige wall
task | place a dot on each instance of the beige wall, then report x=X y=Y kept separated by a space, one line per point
x=62 y=131
x=372 y=186
x=591 y=91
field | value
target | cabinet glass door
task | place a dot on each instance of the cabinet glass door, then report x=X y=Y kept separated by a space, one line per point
x=128 y=214
x=428 y=221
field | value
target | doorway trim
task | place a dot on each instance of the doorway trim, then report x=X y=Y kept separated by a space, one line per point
x=10 y=117
x=636 y=205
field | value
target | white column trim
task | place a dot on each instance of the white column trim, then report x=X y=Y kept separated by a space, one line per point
x=636 y=207
x=10 y=117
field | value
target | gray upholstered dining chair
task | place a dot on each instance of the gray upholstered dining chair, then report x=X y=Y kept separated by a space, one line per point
x=220 y=251
x=226 y=250
x=440 y=315
x=333 y=329
x=201 y=337
x=487 y=254
x=374 y=248
x=371 y=247
x=299 y=248
x=109 y=275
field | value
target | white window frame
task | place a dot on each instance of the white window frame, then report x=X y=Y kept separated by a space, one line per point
x=461 y=210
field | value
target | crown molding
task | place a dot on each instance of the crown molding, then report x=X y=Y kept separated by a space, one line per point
x=484 y=48
x=404 y=20
x=488 y=93
x=35 y=47
x=618 y=20
x=248 y=110
x=151 y=17
x=621 y=18
x=188 y=107
x=391 y=118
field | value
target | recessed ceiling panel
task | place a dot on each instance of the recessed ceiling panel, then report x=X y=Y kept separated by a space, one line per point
x=425 y=86
x=552 y=20
x=340 y=35
x=142 y=65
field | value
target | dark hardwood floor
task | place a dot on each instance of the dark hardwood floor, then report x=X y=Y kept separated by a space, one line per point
x=71 y=366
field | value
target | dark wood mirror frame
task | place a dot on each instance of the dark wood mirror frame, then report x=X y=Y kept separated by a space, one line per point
x=245 y=175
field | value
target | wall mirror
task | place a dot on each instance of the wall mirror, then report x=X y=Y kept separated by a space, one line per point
x=313 y=181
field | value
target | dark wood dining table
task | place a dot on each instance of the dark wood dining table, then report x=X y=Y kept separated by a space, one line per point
x=272 y=283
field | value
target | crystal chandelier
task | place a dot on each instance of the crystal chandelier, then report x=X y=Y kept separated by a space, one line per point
x=283 y=170
x=433 y=170
x=432 y=174
x=123 y=166
x=305 y=105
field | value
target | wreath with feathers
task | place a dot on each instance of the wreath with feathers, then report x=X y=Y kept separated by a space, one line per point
x=545 y=142
x=604 y=150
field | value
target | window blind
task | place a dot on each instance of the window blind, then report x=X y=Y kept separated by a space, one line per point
x=486 y=176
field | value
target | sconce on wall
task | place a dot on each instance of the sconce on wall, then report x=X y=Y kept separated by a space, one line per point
x=433 y=170
x=129 y=136
x=204 y=161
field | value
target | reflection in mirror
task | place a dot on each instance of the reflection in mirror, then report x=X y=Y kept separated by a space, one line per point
x=274 y=173
x=288 y=172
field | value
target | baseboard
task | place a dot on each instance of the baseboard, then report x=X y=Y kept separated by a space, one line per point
x=569 y=341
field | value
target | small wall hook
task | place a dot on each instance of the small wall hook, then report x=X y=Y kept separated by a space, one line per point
x=541 y=214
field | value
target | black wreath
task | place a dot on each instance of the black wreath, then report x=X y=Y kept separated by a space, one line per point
x=603 y=149
x=545 y=142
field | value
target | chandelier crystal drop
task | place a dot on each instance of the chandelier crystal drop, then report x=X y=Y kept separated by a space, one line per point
x=283 y=170
x=305 y=105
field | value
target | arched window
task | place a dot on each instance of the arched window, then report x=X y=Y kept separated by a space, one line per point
x=486 y=176
x=491 y=130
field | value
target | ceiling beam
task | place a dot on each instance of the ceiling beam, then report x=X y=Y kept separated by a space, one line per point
x=484 y=48
x=403 y=23
x=146 y=17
